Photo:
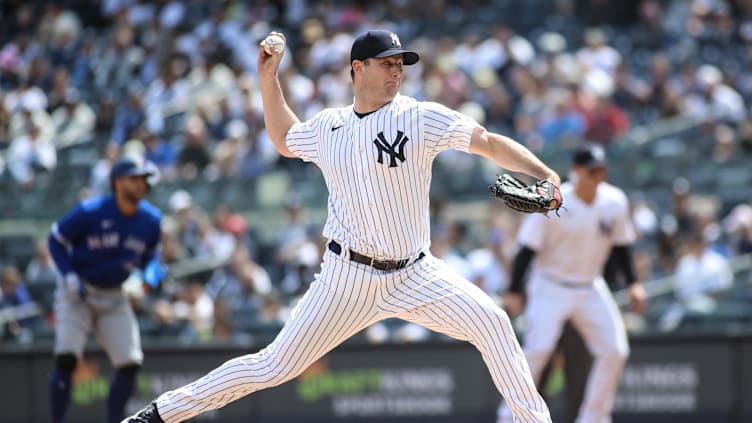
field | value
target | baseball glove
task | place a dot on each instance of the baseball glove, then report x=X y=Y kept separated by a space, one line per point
x=541 y=197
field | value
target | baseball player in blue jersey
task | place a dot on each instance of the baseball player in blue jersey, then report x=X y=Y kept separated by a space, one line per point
x=96 y=246
x=376 y=157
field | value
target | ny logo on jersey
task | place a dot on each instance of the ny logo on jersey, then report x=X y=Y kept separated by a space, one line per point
x=395 y=150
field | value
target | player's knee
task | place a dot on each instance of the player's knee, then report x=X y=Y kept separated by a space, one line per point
x=537 y=355
x=129 y=370
x=613 y=354
x=66 y=362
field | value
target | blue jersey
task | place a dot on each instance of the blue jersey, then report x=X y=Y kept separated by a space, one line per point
x=101 y=244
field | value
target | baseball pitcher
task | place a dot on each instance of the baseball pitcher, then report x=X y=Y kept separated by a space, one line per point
x=376 y=156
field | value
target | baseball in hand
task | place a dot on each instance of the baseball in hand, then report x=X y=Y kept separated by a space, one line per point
x=273 y=44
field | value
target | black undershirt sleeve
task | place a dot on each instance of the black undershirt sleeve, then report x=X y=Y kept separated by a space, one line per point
x=622 y=259
x=519 y=269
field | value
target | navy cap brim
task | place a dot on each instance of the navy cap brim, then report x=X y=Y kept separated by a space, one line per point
x=408 y=57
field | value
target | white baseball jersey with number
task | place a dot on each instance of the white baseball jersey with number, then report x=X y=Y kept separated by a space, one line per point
x=378 y=172
x=566 y=283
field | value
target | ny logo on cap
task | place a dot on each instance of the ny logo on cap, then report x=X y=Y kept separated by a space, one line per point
x=395 y=40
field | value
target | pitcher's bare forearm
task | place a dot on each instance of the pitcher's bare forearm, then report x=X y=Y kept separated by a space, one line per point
x=511 y=155
x=278 y=117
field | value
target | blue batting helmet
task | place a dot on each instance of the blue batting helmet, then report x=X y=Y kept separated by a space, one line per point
x=132 y=166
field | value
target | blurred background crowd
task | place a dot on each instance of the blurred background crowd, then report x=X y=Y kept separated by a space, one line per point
x=665 y=85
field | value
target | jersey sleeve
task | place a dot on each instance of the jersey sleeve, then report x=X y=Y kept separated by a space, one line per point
x=445 y=128
x=303 y=138
x=71 y=227
x=532 y=231
x=66 y=232
x=624 y=232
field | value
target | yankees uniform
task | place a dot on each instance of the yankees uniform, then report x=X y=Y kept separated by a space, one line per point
x=377 y=168
x=566 y=283
x=95 y=247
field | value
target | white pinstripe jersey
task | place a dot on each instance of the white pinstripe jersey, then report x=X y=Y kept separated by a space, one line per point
x=589 y=230
x=378 y=170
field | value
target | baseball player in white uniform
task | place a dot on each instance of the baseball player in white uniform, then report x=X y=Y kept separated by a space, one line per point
x=566 y=281
x=376 y=157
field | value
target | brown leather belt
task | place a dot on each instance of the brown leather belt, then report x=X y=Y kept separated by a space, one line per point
x=377 y=264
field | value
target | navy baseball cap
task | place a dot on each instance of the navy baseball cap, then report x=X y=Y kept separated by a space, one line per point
x=589 y=156
x=381 y=43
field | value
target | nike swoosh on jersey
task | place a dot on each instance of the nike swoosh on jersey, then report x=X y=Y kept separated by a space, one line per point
x=334 y=128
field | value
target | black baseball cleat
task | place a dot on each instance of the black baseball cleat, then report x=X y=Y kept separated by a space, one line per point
x=148 y=414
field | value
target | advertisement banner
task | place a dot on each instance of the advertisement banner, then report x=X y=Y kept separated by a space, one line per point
x=665 y=381
x=387 y=384
x=680 y=381
x=745 y=393
x=16 y=388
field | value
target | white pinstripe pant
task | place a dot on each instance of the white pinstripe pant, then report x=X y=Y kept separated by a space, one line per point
x=347 y=297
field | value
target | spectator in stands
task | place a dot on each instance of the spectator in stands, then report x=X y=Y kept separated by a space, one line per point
x=118 y=61
x=605 y=121
x=18 y=304
x=490 y=264
x=60 y=29
x=235 y=226
x=218 y=119
x=294 y=233
x=10 y=62
x=168 y=94
x=241 y=286
x=4 y=127
x=300 y=270
x=74 y=120
x=29 y=155
x=649 y=31
x=597 y=54
x=172 y=250
x=194 y=156
x=41 y=269
x=60 y=86
x=229 y=152
x=195 y=307
x=445 y=244
x=665 y=89
x=105 y=108
x=213 y=242
x=738 y=225
x=701 y=270
x=99 y=180
x=187 y=218
x=561 y=124
x=159 y=151
x=274 y=311
x=25 y=95
x=714 y=100
x=26 y=113
x=701 y=276
x=129 y=115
